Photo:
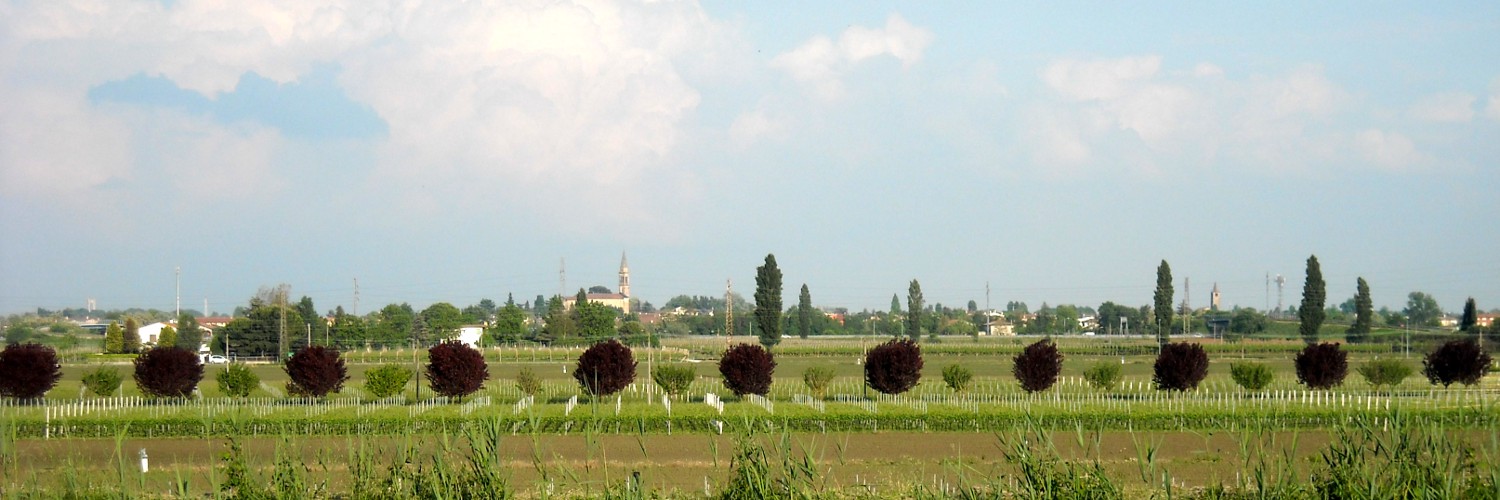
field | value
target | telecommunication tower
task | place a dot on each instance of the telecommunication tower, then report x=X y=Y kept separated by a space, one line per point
x=728 y=310
x=1280 y=290
x=356 y=297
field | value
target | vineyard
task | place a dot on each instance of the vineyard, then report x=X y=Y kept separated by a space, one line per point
x=560 y=440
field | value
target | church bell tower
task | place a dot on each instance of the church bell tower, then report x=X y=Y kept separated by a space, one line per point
x=624 y=276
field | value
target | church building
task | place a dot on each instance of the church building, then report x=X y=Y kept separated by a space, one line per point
x=618 y=300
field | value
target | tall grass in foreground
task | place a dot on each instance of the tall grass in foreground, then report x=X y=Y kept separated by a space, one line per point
x=1376 y=458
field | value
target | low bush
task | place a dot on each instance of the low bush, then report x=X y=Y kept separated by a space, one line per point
x=102 y=381
x=386 y=380
x=1251 y=376
x=1461 y=361
x=958 y=378
x=1322 y=366
x=1180 y=367
x=817 y=379
x=28 y=371
x=1386 y=372
x=674 y=380
x=1037 y=366
x=237 y=380
x=1103 y=375
x=528 y=382
x=455 y=369
x=168 y=372
x=894 y=367
x=747 y=369
x=605 y=368
x=315 y=371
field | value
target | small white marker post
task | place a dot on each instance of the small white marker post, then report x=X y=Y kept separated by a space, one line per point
x=144 y=464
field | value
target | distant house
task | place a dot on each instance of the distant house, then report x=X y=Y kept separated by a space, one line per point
x=1485 y=320
x=470 y=335
x=150 y=333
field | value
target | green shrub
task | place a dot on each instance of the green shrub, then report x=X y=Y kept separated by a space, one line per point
x=1103 y=375
x=237 y=380
x=387 y=380
x=957 y=377
x=817 y=379
x=1251 y=376
x=103 y=381
x=528 y=382
x=1386 y=372
x=674 y=380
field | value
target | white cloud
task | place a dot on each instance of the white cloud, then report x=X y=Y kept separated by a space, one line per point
x=572 y=101
x=752 y=126
x=1390 y=150
x=820 y=63
x=1186 y=118
x=1492 y=110
x=1447 y=107
x=1099 y=79
x=54 y=145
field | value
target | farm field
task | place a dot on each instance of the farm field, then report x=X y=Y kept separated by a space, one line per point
x=851 y=443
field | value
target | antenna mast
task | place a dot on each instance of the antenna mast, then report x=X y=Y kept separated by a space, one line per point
x=356 y=296
x=177 y=277
x=728 y=310
x=1280 y=289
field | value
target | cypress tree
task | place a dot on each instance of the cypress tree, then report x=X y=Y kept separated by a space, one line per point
x=1162 y=301
x=189 y=334
x=768 y=302
x=132 y=337
x=1470 y=318
x=168 y=336
x=1314 y=291
x=914 y=311
x=114 y=339
x=804 y=313
x=1364 y=311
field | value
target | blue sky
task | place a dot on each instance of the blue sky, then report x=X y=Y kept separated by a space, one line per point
x=441 y=151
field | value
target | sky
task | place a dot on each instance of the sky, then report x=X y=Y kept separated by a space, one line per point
x=440 y=151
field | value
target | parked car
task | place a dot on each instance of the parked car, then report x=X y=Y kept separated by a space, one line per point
x=215 y=359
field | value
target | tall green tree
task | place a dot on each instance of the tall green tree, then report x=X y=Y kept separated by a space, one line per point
x=768 y=302
x=189 y=334
x=1470 y=317
x=914 y=309
x=1422 y=310
x=1162 y=302
x=1310 y=314
x=312 y=324
x=594 y=319
x=440 y=322
x=114 y=339
x=1364 y=314
x=804 y=312
x=132 y=336
x=894 y=325
x=167 y=337
x=559 y=324
x=510 y=324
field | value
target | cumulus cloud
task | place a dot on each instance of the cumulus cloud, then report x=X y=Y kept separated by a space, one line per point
x=1492 y=110
x=821 y=62
x=1186 y=117
x=54 y=146
x=1447 y=107
x=580 y=101
x=1390 y=150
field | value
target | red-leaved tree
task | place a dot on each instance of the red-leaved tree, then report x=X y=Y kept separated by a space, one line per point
x=169 y=372
x=28 y=371
x=455 y=369
x=605 y=368
x=315 y=371
x=1322 y=366
x=1459 y=361
x=894 y=367
x=1179 y=367
x=1037 y=366
x=747 y=369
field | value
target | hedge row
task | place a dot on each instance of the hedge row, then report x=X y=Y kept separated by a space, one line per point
x=940 y=421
